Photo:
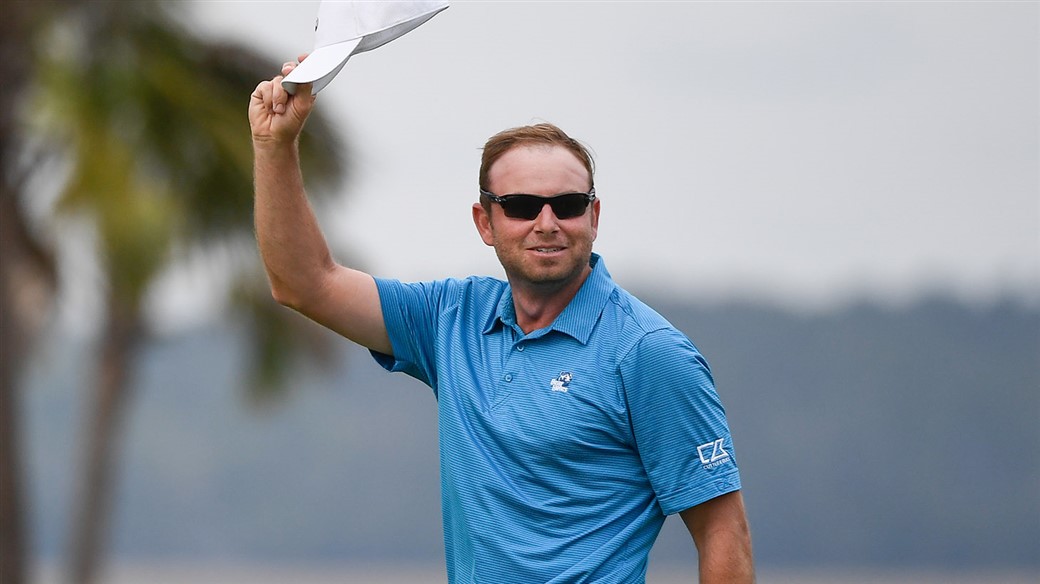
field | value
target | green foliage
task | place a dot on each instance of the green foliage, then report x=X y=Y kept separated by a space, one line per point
x=151 y=123
x=280 y=341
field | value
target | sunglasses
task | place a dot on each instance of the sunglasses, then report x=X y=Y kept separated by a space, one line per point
x=527 y=207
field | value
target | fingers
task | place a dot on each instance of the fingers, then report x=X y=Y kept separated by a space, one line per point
x=279 y=97
x=261 y=95
x=272 y=95
x=275 y=114
x=303 y=101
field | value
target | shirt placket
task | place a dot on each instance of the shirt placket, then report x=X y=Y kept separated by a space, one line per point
x=512 y=366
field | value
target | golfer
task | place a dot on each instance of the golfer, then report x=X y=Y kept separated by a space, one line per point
x=573 y=419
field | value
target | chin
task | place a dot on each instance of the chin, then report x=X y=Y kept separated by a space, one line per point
x=553 y=274
x=545 y=272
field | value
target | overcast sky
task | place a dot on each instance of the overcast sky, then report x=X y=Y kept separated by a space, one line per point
x=798 y=152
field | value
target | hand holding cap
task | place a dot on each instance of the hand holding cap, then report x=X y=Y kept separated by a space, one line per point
x=345 y=28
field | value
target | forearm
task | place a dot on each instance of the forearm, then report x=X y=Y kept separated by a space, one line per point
x=726 y=559
x=294 y=251
x=720 y=531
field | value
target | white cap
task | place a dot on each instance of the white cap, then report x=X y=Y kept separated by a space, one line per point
x=347 y=27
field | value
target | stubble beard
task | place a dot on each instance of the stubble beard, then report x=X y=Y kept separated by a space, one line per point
x=547 y=274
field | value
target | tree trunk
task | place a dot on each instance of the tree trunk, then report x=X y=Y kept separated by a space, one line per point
x=27 y=281
x=12 y=510
x=103 y=431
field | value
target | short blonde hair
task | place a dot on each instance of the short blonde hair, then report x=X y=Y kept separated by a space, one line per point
x=539 y=134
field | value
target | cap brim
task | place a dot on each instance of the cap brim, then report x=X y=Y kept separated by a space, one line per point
x=320 y=66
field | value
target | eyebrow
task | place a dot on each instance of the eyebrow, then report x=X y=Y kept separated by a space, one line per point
x=490 y=194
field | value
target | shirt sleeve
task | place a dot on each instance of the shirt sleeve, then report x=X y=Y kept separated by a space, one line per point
x=410 y=313
x=678 y=421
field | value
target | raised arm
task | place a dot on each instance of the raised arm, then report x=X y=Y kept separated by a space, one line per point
x=299 y=266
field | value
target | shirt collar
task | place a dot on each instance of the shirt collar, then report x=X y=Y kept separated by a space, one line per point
x=580 y=316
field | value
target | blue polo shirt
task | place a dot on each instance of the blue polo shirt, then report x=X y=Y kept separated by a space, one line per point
x=561 y=450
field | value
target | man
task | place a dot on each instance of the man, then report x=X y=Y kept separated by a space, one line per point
x=573 y=419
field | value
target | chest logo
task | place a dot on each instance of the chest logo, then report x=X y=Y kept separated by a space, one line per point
x=562 y=382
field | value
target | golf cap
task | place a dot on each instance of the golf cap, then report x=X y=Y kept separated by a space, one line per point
x=345 y=28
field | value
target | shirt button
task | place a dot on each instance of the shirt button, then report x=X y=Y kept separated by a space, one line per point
x=508 y=377
x=519 y=347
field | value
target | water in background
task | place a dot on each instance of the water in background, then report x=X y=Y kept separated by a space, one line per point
x=870 y=440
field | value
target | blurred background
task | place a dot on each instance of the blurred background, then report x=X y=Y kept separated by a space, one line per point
x=838 y=202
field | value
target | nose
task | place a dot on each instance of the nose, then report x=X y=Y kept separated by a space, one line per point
x=546 y=221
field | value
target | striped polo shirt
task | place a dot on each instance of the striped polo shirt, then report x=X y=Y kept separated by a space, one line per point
x=561 y=450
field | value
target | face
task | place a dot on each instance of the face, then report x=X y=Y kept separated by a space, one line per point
x=545 y=251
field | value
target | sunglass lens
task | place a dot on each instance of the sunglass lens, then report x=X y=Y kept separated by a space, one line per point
x=528 y=207
x=569 y=206
x=522 y=206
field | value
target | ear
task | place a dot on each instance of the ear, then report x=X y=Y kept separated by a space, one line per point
x=595 y=219
x=483 y=222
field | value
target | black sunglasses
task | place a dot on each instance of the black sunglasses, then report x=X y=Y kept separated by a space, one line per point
x=527 y=207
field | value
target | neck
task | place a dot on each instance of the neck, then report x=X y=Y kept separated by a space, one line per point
x=538 y=304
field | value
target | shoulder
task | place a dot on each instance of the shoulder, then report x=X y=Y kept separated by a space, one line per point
x=647 y=336
x=474 y=300
x=637 y=319
x=636 y=313
x=447 y=291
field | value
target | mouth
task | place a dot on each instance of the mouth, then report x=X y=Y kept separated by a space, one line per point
x=546 y=250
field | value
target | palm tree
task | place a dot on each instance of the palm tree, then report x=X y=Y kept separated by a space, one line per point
x=27 y=279
x=149 y=124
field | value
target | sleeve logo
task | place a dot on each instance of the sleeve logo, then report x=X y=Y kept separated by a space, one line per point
x=713 y=454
